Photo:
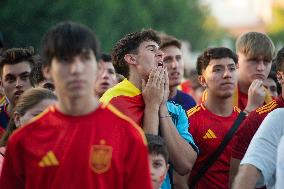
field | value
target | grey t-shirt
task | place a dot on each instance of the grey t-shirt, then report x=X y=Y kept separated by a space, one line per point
x=262 y=150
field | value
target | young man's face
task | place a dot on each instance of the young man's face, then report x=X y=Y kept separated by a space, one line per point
x=271 y=86
x=148 y=57
x=251 y=68
x=106 y=77
x=73 y=78
x=174 y=63
x=220 y=77
x=158 y=168
x=16 y=80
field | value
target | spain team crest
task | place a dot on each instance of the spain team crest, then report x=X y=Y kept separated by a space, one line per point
x=100 y=157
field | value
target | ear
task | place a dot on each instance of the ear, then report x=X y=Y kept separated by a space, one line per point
x=237 y=65
x=17 y=119
x=202 y=80
x=46 y=72
x=279 y=76
x=168 y=166
x=130 y=59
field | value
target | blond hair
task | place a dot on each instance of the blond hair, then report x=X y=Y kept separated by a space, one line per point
x=254 y=44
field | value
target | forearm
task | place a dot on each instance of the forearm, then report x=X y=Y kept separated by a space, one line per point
x=151 y=120
x=234 y=166
x=181 y=182
x=182 y=155
x=247 y=177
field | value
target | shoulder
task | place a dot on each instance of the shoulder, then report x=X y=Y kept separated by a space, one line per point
x=125 y=122
x=32 y=126
x=267 y=107
x=195 y=110
x=124 y=88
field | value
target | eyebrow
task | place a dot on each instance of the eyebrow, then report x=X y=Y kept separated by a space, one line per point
x=25 y=73
x=154 y=46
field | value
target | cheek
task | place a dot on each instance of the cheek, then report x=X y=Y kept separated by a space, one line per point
x=24 y=119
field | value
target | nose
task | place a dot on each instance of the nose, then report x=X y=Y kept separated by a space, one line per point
x=76 y=66
x=260 y=66
x=227 y=73
x=174 y=63
x=105 y=74
x=160 y=53
x=19 y=83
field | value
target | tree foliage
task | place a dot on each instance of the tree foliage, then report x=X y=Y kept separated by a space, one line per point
x=276 y=28
x=24 y=22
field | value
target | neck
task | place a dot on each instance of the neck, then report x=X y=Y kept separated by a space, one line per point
x=136 y=80
x=282 y=93
x=173 y=92
x=78 y=106
x=219 y=106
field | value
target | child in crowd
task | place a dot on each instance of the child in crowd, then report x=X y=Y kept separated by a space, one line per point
x=158 y=159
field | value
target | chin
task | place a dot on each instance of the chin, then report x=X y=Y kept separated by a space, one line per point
x=226 y=95
x=174 y=84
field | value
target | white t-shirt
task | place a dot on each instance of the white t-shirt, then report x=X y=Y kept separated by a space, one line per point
x=280 y=165
x=262 y=150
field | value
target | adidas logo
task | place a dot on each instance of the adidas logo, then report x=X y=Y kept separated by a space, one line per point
x=48 y=160
x=209 y=134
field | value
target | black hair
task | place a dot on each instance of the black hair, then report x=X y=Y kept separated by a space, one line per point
x=66 y=40
x=157 y=146
x=214 y=53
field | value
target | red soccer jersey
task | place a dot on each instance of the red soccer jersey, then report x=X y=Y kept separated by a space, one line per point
x=250 y=125
x=208 y=131
x=127 y=98
x=102 y=150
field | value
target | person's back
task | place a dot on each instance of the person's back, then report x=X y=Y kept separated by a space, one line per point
x=78 y=143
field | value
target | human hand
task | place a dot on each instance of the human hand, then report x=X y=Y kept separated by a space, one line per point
x=153 y=89
x=256 y=95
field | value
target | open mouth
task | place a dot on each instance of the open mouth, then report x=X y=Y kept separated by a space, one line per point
x=161 y=63
x=105 y=84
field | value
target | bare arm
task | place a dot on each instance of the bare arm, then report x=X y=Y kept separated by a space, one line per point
x=247 y=177
x=182 y=155
x=181 y=182
x=234 y=167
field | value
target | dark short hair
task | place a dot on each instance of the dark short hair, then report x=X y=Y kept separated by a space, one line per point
x=36 y=75
x=105 y=57
x=168 y=40
x=157 y=146
x=17 y=55
x=213 y=53
x=279 y=60
x=130 y=44
x=66 y=40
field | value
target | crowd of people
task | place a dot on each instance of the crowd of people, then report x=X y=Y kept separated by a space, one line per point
x=74 y=117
